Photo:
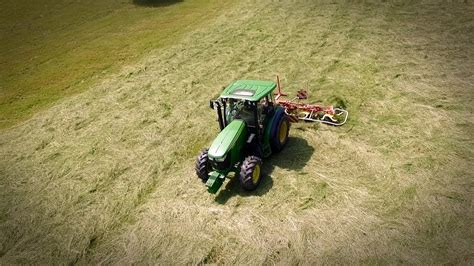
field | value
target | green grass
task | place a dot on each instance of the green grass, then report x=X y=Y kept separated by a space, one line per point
x=106 y=176
x=51 y=50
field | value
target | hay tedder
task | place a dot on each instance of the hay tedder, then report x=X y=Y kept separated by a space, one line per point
x=254 y=124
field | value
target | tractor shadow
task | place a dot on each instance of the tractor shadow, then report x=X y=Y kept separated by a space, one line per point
x=155 y=3
x=294 y=157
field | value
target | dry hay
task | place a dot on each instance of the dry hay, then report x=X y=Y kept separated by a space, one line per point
x=107 y=176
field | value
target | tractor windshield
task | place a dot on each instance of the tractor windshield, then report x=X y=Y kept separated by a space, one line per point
x=240 y=109
x=244 y=109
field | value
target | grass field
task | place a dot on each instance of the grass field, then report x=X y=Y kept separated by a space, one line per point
x=106 y=176
x=50 y=50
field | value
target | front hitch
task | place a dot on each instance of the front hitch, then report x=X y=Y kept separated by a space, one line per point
x=215 y=181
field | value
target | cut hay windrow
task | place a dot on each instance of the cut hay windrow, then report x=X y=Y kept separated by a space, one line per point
x=107 y=176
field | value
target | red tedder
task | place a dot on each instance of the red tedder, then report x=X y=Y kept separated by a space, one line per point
x=297 y=110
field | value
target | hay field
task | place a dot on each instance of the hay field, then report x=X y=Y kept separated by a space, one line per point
x=53 y=49
x=107 y=176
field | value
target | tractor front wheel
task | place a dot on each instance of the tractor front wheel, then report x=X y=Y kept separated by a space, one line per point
x=250 y=173
x=202 y=165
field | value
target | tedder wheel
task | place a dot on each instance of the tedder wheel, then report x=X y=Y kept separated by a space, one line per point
x=250 y=173
x=203 y=165
x=279 y=132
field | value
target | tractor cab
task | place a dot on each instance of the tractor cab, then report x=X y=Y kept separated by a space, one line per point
x=252 y=127
x=246 y=100
x=244 y=109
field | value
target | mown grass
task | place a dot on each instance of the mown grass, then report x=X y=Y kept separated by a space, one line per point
x=107 y=175
x=50 y=50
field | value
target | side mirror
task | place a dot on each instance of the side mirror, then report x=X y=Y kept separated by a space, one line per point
x=211 y=104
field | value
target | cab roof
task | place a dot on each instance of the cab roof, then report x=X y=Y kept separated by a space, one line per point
x=251 y=90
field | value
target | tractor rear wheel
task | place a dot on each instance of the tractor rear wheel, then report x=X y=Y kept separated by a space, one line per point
x=250 y=173
x=279 y=132
x=203 y=165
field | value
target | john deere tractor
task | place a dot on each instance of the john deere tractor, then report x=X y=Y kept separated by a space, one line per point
x=252 y=127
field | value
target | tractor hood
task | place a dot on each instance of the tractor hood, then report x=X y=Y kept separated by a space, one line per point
x=226 y=140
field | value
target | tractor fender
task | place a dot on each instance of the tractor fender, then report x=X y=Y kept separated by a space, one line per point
x=272 y=124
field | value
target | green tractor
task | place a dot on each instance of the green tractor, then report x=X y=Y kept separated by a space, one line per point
x=253 y=126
